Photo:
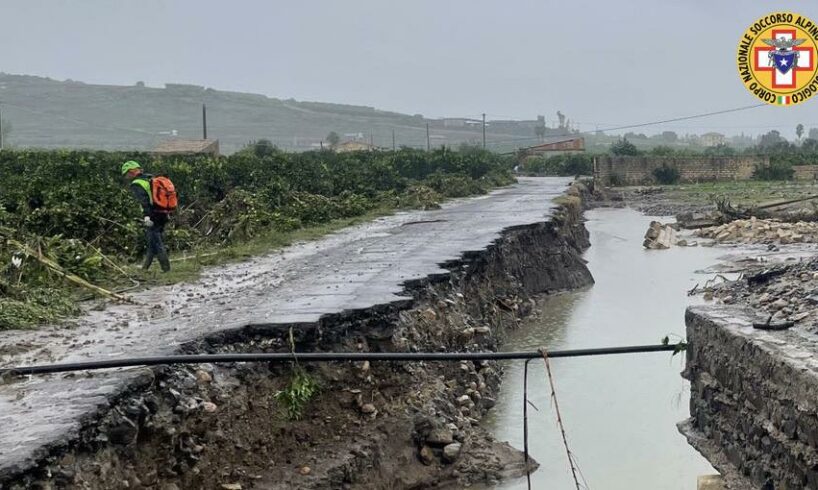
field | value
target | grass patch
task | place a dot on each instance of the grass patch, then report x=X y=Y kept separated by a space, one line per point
x=37 y=306
x=571 y=202
x=745 y=193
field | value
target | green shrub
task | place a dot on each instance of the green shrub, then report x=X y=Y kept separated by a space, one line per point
x=75 y=208
x=666 y=175
x=560 y=165
x=774 y=171
x=623 y=147
x=576 y=165
x=662 y=151
x=454 y=185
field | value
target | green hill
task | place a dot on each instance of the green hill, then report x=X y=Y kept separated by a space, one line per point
x=49 y=114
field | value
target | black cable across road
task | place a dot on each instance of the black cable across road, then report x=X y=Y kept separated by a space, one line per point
x=327 y=357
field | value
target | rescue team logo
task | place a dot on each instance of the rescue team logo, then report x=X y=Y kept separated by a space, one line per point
x=777 y=58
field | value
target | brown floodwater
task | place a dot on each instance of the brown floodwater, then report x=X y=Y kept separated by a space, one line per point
x=620 y=412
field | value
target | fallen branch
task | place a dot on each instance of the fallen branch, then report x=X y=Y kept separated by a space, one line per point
x=424 y=221
x=783 y=203
x=56 y=268
x=712 y=282
x=197 y=256
x=765 y=275
x=114 y=265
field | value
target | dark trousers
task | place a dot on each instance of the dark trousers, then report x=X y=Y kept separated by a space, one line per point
x=156 y=247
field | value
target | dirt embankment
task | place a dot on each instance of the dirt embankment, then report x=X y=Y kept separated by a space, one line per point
x=372 y=425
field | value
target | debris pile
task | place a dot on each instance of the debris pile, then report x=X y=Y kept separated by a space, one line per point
x=696 y=220
x=786 y=294
x=755 y=230
x=661 y=237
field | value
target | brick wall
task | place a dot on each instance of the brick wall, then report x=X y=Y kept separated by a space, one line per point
x=620 y=170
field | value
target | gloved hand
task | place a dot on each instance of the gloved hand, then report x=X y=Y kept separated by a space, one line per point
x=148 y=221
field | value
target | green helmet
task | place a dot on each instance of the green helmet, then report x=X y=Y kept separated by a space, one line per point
x=130 y=165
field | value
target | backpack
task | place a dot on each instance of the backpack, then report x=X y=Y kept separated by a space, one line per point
x=163 y=193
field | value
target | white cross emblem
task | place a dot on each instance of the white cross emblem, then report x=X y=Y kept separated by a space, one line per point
x=785 y=80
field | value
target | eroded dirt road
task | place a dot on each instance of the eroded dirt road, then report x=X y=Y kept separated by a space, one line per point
x=357 y=268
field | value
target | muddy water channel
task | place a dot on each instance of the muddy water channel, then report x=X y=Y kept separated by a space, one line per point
x=619 y=411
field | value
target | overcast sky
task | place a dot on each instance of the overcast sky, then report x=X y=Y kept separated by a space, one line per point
x=601 y=63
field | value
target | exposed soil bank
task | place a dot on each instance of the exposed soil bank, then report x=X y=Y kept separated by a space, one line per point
x=382 y=425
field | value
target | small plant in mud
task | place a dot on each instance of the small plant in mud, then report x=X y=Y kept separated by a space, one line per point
x=680 y=346
x=295 y=396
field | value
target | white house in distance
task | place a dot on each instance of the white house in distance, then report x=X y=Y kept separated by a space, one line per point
x=712 y=139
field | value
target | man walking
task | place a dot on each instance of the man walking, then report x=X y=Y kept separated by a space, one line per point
x=153 y=217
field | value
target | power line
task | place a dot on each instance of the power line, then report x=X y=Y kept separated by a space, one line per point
x=597 y=123
x=639 y=125
x=685 y=118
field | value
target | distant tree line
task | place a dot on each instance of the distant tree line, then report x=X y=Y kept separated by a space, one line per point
x=783 y=154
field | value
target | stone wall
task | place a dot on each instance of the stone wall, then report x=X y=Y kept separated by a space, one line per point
x=754 y=399
x=805 y=172
x=638 y=170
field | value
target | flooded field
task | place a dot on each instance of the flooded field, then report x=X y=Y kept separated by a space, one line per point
x=620 y=412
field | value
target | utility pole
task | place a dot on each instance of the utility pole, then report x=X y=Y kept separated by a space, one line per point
x=204 y=121
x=393 y=140
x=428 y=143
x=371 y=140
x=322 y=145
x=484 y=130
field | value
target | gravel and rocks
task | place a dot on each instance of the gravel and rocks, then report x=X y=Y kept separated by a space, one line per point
x=767 y=231
x=779 y=295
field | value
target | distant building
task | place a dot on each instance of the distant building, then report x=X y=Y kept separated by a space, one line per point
x=455 y=122
x=347 y=146
x=187 y=147
x=555 y=146
x=712 y=139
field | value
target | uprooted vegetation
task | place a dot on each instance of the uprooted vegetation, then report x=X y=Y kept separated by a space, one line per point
x=73 y=209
